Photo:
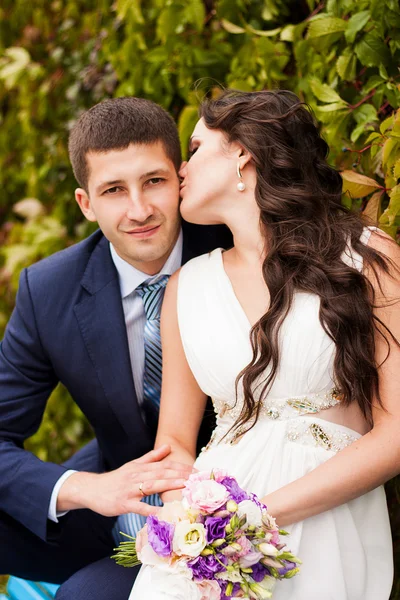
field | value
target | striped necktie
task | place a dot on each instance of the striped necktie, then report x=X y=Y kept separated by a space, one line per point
x=152 y=294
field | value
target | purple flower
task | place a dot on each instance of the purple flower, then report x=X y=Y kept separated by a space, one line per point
x=215 y=528
x=255 y=499
x=160 y=534
x=235 y=491
x=223 y=585
x=205 y=567
x=289 y=565
x=259 y=572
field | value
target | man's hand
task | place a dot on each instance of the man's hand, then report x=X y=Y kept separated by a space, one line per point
x=118 y=492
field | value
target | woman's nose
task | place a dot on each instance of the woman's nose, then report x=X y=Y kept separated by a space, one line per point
x=182 y=170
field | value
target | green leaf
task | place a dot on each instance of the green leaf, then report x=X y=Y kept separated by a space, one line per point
x=196 y=14
x=262 y=33
x=324 y=92
x=358 y=131
x=187 y=120
x=396 y=169
x=346 y=65
x=393 y=209
x=231 y=27
x=390 y=152
x=373 y=82
x=325 y=26
x=357 y=185
x=288 y=33
x=383 y=73
x=332 y=107
x=366 y=113
x=372 y=51
x=386 y=124
x=355 y=24
x=373 y=209
x=373 y=136
x=13 y=64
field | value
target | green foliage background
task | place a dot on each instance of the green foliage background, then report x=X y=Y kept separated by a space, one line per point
x=58 y=58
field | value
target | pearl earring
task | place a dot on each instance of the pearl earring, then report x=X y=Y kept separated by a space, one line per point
x=241 y=186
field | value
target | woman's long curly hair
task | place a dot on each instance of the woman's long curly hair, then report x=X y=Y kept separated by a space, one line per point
x=307 y=230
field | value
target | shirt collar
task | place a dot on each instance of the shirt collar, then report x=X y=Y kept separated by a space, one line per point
x=130 y=277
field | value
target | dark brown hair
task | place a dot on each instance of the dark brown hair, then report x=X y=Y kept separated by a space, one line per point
x=307 y=230
x=116 y=123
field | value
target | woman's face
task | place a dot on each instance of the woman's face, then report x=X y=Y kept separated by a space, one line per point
x=209 y=178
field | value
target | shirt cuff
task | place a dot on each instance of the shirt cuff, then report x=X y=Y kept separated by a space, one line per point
x=53 y=515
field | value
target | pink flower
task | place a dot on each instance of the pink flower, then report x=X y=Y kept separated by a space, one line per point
x=218 y=475
x=250 y=559
x=209 y=590
x=205 y=495
x=247 y=546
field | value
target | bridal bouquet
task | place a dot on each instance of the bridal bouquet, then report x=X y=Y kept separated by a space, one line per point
x=219 y=536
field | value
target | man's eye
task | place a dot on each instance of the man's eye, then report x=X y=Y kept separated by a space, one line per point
x=113 y=190
x=155 y=180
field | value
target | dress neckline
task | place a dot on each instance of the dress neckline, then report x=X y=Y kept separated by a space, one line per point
x=230 y=290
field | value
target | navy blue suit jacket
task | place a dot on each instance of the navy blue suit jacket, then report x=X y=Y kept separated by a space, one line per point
x=68 y=326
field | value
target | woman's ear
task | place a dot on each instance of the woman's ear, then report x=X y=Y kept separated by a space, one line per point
x=244 y=157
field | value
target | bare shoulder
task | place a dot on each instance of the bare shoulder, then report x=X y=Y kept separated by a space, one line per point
x=383 y=243
x=172 y=287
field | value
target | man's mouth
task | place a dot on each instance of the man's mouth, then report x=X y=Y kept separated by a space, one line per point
x=143 y=232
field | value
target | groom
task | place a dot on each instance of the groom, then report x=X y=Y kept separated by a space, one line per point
x=88 y=317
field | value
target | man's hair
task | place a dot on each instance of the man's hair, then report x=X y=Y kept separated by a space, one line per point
x=116 y=123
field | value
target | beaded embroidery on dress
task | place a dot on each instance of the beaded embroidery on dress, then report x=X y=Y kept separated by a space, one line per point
x=353 y=558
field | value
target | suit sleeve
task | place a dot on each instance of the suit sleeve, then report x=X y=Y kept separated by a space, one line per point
x=26 y=381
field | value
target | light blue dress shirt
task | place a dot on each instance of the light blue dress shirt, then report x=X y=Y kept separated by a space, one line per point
x=135 y=319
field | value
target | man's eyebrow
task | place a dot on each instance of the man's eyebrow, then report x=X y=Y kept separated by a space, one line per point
x=155 y=173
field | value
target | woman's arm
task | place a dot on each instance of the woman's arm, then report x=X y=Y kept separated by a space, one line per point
x=182 y=401
x=374 y=458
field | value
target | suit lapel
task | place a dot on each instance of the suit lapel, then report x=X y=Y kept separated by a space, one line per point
x=102 y=323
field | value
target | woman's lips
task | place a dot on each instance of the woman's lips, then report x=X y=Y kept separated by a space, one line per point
x=145 y=232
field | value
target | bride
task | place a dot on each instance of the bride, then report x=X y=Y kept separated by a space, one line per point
x=293 y=334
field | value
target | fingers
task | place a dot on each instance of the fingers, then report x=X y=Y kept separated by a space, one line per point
x=141 y=508
x=159 y=473
x=154 y=455
x=158 y=486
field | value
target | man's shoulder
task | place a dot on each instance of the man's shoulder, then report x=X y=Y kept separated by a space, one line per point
x=66 y=264
x=202 y=239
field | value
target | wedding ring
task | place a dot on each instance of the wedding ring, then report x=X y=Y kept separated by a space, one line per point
x=141 y=489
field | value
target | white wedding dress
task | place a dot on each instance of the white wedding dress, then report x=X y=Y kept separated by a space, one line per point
x=347 y=551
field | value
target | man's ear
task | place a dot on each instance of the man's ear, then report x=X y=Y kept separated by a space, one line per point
x=83 y=201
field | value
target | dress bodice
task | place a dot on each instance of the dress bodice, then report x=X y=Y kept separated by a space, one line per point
x=215 y=335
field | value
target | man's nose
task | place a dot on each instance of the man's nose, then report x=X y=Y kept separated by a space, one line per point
x=183 y=170
x=138 y=209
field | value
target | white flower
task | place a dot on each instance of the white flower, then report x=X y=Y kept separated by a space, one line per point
x=162 y=582
x=251 y=511
x=268 y=521
x=268 y=549
x=147 y=556
x=189 y=539
x=234 y=575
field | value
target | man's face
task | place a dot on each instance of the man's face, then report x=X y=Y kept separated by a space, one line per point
x=133 y=194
